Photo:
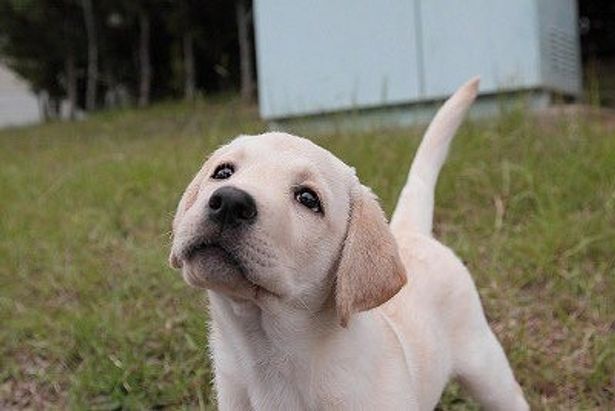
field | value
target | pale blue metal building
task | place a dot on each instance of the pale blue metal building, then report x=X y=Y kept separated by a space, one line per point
x=396 y=56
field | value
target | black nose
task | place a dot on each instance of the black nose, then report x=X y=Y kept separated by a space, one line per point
x=231 y=207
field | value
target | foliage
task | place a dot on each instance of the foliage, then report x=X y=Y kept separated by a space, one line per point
x=37 y=36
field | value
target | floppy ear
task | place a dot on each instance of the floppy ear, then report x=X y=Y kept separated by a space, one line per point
x=187 y=200
x=370 y=271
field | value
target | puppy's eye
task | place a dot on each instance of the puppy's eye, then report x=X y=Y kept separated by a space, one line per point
x=223 y=171
x=309 y=199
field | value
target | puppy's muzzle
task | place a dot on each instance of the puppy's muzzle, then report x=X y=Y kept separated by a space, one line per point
x=230 y=207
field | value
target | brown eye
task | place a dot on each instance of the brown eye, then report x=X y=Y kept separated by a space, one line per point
x=223 y=171
x=309 y=199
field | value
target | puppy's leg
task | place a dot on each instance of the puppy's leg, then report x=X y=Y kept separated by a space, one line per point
x=230 y=395
x=479 y=362
x=482 y=368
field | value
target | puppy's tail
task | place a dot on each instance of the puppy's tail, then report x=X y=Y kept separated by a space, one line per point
x=415 y=206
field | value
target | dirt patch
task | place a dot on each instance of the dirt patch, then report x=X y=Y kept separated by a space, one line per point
x=28 y=390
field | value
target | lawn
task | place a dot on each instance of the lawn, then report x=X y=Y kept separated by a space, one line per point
x=92 y=317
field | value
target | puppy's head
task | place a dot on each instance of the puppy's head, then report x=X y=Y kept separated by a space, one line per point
x=275 y=217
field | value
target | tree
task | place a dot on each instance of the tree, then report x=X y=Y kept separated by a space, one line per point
x=244 y=19
x=92 y=77
x=144 y=58
x=43 y=43
x=183 y=21
x=138 y=16
x=87 y=52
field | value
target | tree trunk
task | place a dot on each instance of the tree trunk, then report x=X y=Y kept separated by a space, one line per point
x=189 y=70
x=245 y=51
x=109 y=100
x=92 y=81
x=43 y=105
x=144 y=59
x=71 y=85
x=55 y=107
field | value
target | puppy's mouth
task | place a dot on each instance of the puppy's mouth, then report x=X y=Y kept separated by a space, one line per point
x=214 y=266
x=205 y=247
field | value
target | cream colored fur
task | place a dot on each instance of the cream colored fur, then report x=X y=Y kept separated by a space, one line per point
x=337 y=311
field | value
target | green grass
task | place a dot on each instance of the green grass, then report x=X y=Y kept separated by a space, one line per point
x=92 y=318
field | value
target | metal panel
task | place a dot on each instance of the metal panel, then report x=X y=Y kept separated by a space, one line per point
x=560 y=45
x=328 y=55
x=317 y=56
x=496 y=39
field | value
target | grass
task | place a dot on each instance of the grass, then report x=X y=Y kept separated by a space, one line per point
x=92 y=317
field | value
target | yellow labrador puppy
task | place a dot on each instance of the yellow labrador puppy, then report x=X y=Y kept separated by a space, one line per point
x=316 y=302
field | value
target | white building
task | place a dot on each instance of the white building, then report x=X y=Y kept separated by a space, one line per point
x=18 y=104
x=392 y=58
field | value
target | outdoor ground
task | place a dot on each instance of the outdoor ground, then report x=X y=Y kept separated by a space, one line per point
x=92 y=317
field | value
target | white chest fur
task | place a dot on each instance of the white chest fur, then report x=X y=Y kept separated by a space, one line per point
x=294 y=362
